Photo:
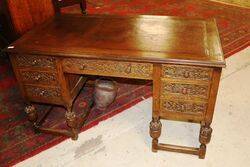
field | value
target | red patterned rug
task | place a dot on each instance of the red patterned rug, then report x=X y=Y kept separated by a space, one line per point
x=19 y=142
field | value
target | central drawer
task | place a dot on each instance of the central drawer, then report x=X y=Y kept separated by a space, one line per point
x=108 y=68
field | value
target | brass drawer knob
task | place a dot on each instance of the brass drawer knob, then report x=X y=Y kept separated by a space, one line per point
x=186 y=74
x=38 y=77
x=184 y=91
x=82 y=67
x=42 y=93
x=128 y=69
x=34 y=62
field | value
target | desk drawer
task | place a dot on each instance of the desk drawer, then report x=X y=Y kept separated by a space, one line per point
x=184 y=90
x=42 y=94
x=109 y=68
x=182 y=106
x=186 y=72
x=37 y=77
x=34 y=61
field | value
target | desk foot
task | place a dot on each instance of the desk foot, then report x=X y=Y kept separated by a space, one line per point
x=202 y=151
x=204 y=138
x=84 y=12
x=71 y=120
x=30 y=110
x=155 y=132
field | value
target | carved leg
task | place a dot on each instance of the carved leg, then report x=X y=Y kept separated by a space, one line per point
x=32 y=114
x=30 y=110
x=71 y=120
x=205 y=136
x=83 y=6
x=155 y=132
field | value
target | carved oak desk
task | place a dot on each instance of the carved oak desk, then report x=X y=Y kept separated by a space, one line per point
x=183 y=57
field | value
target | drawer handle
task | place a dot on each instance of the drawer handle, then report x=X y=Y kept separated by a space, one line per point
x=34 y=62
x=82 y=67
x=184 y=91
x=42 y=93
x=37 y=78
x=186 y=75
x=128 y=69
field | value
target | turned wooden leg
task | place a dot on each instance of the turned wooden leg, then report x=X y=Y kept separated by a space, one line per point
x=71 y=120
x=83 y=6
x=155 y=132
x=205 y=136
x=30 y=110
x=32 y=114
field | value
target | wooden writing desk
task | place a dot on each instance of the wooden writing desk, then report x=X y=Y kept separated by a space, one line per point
x=182 y=56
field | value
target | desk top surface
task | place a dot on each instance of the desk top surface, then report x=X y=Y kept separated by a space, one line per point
x=159 y=39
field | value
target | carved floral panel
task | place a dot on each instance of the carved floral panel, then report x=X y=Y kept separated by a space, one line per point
x=38 y=77
x=186 y=72
x=183 y=106
x=35 y=61
x=51 y=93
x=190 y=90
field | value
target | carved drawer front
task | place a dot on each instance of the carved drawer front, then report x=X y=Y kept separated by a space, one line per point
x=109 y=68
x=186 y=72
x=43 y=92
x=35 y=61
x=36 y=77
x=184 y=90
x=182 y=106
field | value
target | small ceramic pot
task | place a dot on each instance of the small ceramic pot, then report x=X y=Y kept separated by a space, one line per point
x=104 y=93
